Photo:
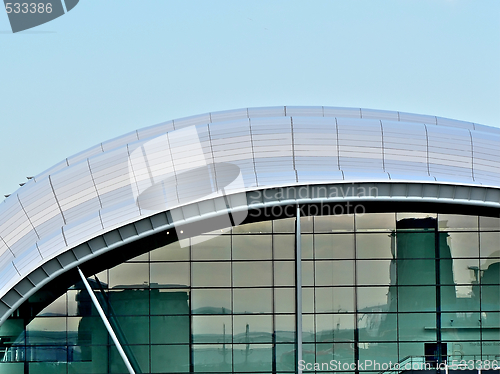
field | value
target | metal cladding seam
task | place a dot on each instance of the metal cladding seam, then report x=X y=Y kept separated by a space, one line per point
x=97 y=190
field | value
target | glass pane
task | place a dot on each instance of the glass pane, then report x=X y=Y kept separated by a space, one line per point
x=285 y=357
x=284 y=273
x=46 y=331
x=307 y=273
x=253 y=300
x=375 y=222
x=170 y=252
x=416 y=272
x=416 y=299
x=334 y=299
x=216 y=301
x=134 y=328
x=252 y=247
x=170 y=275
x=417 y=326
x=457 y=222
x=379 y=354
x=489 y=223
x=252 y=357
x=217 y=248
x=140 y=352
x=490 y=297
x=375 y=272
x=252 y=274
x=284 y=300
x=377 y=327
x=284 y=247
x=334 y=273
x=460 y=326
x=167 y=302
x=459 y=298
x=376 y=299
x=331 y=246
x=413 y=244
x=285 y=328
x=170 y=358
x=286 y=225
x=308 y=328
x=306 y=246
x=129 y=275
x=306 y=224
x=307 y=300
x=55 y=308
x=254 y=228
x=212 y=329
x=335 y=327
x=129 y=302
x=490 y=322
x=374 y=246
x=490 y=245
x=415 y=215
x=211 y=274
x=334 y=223
x=169 y=329
x=462 y=244
x=252 y=328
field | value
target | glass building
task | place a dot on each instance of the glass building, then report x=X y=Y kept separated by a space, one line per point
x=269 y=240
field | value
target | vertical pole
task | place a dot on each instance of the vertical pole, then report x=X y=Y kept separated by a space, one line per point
x=106 y=323
x=298 y=288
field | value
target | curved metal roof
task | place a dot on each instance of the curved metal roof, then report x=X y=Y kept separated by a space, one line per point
x=198 y=158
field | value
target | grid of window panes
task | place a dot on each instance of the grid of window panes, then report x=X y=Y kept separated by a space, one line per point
x=371 y=288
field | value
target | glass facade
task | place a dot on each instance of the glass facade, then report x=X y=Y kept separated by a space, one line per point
x=378 y=286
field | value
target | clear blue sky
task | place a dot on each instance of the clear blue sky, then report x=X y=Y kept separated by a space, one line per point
x=111 y=66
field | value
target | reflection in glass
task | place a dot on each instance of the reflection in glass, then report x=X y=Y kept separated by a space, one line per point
x=170 y=252
x=284 y=273
x=334 y=299
x=129 y=275
x=214 y=301
x=253 y=300
x=376 y=299
x=334 y=223
x=254 y=228
x=374 y=246
x=285 y=328
x=284 y=247
x=211 y=274
x=252 y=274
x=217 y=248
x=417 y=326
x=376 y=222
x=335 y=327
x=212 y=329
x=377 y=327
x=252 y=357
x=463 y=244
x=334 y=273
x=284 y=300
x=248 y=247
x=457 y=222
x=252 y=328
x=333 y=246
x=170 y=274
x=375 y=272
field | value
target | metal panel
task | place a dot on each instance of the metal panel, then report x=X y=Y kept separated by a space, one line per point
x=304 y=111
x=329 y=111
x=380 y=114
